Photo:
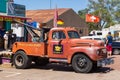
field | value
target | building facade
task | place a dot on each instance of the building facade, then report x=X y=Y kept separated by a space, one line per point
x=68 y=15
x=9 y=13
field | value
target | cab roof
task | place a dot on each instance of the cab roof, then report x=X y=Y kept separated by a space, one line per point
x=63 y=28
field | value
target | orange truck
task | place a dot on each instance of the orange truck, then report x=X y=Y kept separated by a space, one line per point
x=63 y=45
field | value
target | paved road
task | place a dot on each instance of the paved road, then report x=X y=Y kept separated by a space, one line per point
x=60 y=72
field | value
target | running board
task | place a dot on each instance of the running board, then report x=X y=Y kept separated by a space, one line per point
x=64 y=60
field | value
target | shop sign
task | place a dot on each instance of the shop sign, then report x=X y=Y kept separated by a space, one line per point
x=17 y=19
x=16 y=9
x=1 y=18
x=8 y=18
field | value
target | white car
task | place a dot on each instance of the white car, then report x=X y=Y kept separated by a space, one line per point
x=94 y=38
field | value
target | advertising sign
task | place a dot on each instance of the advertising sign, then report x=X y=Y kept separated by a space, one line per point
x=1 y=18
x=15 y=9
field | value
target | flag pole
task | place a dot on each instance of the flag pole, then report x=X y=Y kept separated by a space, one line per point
x=55 y=17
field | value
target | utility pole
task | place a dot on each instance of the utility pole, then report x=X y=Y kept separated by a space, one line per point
x=50 y=4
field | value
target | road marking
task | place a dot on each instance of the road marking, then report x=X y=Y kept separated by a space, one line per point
x=12 y=74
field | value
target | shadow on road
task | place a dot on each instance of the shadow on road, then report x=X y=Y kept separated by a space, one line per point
x=102 y=70
x=1 y=70
x=68 y=68
x=54 y=67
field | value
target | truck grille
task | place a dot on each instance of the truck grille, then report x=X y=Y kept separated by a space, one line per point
x=102 y=53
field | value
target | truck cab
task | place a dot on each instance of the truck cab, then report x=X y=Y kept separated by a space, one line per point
x=62 y=46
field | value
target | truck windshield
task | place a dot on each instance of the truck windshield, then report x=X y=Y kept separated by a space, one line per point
x=73 y=34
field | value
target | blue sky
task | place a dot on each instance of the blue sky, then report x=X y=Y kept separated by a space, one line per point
x=45 y=4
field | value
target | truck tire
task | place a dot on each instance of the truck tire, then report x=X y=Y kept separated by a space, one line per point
x=81 y=63
x=21 y=60
x=116 y=51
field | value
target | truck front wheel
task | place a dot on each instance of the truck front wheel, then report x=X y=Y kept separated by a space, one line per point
x=81 y=63
x=21 y=60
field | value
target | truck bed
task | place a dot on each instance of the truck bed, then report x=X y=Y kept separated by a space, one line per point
x=30 y=48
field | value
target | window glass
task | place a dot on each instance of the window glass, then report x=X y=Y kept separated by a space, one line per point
x=58 y=35
x=73 y=34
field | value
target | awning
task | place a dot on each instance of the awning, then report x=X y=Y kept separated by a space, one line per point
x=12 y=18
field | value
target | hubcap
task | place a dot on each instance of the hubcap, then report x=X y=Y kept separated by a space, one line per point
x=82 y=62
x=19 y=60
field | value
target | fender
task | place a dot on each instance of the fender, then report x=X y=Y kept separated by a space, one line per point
x=90 y=52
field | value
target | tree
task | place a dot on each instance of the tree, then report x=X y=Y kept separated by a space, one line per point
x=82 y=13
x=107 y=10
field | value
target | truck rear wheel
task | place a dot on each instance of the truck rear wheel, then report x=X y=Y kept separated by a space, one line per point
x=21 y=60
x=81 y=63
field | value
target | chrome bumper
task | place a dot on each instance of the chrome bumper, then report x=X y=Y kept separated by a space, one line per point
x=104 y=62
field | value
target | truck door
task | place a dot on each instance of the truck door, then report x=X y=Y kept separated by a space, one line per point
x=57 y=47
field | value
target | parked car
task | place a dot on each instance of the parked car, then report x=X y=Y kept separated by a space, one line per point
x=94 y=38
x=116 y=47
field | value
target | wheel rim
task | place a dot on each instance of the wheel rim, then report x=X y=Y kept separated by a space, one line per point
x=82 y=62
x=19 y=60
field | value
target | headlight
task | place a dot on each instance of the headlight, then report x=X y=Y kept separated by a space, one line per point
x=101 y=52
x=98 y=52
x=104 y=50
